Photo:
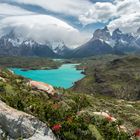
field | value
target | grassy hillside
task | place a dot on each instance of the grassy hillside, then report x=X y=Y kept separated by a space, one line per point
x=70 y=115
x=111 y=76
x=29 y=62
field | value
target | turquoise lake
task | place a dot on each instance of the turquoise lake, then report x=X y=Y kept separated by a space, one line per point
x=64 y=77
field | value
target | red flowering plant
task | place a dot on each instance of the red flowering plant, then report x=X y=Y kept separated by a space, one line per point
x=109 y=118
x=56 y=127
x=137 y=133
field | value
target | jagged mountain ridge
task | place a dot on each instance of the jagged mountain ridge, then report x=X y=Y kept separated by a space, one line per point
x=11 y=45
x=91 y=48
x=14 y=45
x=102 y=42
x=60 y=48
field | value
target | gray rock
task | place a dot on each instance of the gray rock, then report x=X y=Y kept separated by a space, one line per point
x=18 y=124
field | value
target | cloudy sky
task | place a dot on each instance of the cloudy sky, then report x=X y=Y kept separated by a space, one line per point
x=70 y=21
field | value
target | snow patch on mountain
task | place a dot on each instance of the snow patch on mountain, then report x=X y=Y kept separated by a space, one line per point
x=56 y=45
x=15 y=42
x=111 y=42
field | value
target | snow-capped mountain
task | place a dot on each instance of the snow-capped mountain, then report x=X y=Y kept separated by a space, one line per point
x=60 y=48
x=117 y=36
x=103 y=42
x=92 y=47
x=138 y=31
x=15 y=45
x=57 y=44
x=102 y=34
x=123 y=41
x=12 y=39
x=138 y=37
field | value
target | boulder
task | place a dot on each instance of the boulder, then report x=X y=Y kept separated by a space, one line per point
x=2 y=79
x=18 y=124
x=106 y=115
x=43 y=86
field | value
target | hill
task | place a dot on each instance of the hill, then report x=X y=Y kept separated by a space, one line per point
x=72 y=116
x=111 y=76
x=27 y=63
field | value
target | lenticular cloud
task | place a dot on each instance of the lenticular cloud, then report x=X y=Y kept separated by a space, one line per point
x=42 y=28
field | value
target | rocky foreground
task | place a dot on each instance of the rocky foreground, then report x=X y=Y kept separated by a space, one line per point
x=69 y=115
x=18 y=124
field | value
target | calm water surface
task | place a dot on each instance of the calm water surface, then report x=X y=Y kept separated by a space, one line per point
x=63 y=77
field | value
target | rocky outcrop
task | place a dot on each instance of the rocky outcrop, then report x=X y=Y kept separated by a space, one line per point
x=18 y=124
x=105 y=42
x=2 y=79
x=111 y=119
x=43 y=86
x=102 y=34
x=104 y=115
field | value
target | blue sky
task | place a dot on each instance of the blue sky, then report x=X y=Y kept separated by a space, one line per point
x=79 y=17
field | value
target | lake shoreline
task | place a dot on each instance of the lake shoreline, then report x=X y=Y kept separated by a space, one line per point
x=63 y=77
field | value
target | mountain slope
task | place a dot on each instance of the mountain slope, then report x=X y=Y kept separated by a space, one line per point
x=93 y=47
x=71 y=116
x=117 y=77
x=61 y=49
x=103 y=42
x=13 y=45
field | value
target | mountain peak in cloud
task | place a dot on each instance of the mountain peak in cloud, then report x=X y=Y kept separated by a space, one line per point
x=67 y=20
x=42 y=28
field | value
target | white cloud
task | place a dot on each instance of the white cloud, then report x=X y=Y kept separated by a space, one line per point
x=87 y=12
x=9 y=10
x=99 y=12
x=125 y=14
x=128 y=16
x=67 y=7
x=126 y=23
x=43 y=28
x=126 y=7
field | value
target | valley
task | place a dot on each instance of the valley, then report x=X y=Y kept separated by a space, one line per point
x=88 y=108
x=69 y=69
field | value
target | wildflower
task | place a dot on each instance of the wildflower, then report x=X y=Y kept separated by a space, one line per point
x=78 y=113
x=56 y=127
x=137 y=133
x=109 y=118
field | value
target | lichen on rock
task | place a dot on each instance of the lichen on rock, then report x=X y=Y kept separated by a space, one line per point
x=18 y=124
